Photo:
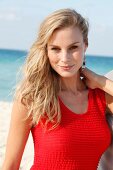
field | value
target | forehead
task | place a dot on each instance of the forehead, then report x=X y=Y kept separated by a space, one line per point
x=67 y=35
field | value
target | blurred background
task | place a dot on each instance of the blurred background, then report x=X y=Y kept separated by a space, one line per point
x=19 y=23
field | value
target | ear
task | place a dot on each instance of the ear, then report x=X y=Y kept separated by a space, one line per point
x=85 y=46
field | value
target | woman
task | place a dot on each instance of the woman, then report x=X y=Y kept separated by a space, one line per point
x=64 y=112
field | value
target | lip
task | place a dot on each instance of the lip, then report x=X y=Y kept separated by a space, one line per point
x=66 y=67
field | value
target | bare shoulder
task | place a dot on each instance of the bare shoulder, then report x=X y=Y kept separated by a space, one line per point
x=109 y=102
x=19 y=114
x=18 y=134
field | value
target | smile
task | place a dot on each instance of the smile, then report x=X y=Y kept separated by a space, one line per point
x=66 y=67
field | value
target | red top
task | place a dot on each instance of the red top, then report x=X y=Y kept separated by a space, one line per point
x=78 y=142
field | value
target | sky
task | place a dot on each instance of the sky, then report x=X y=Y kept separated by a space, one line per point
x=20 y=20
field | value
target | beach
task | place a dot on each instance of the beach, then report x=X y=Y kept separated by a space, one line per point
x=5 y=115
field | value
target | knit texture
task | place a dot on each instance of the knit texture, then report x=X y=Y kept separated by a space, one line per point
x=78 y=142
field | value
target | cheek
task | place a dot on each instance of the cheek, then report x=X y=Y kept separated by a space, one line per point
x=78 y=56
x=52 y=58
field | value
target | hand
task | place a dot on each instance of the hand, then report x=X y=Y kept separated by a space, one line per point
x=91 y=79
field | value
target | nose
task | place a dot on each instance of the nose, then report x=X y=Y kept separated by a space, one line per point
x=65 y=56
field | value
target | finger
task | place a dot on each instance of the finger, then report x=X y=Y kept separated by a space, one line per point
x=88 y=73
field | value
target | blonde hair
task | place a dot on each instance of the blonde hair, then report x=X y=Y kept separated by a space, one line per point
x=41 y=84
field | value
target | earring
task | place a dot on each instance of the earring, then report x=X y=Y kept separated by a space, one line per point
x=84 y=63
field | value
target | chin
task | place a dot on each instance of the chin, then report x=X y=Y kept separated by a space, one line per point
x=67 y=75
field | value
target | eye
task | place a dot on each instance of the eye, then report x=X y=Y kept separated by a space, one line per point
x=73 y=47
x=55 y=49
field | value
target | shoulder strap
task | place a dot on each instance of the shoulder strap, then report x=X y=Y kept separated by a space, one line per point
x=99 y=100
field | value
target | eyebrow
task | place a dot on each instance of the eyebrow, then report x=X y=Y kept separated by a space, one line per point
x=53 y=45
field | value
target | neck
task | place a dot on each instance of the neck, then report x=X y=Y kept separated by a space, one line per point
x=72 y=84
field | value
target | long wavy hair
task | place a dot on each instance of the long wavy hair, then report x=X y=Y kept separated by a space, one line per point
x=40 y=86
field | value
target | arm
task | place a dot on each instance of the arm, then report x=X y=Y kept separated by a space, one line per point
x=94 y=80
x=17 y=137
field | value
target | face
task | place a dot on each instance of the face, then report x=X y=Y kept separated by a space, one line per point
x=66 y=50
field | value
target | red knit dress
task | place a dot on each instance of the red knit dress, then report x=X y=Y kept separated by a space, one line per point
x=78 y=142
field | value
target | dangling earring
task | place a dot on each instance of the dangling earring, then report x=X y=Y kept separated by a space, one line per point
x=84 y=63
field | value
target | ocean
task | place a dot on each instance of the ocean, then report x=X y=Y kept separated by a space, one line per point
x=12 y=60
